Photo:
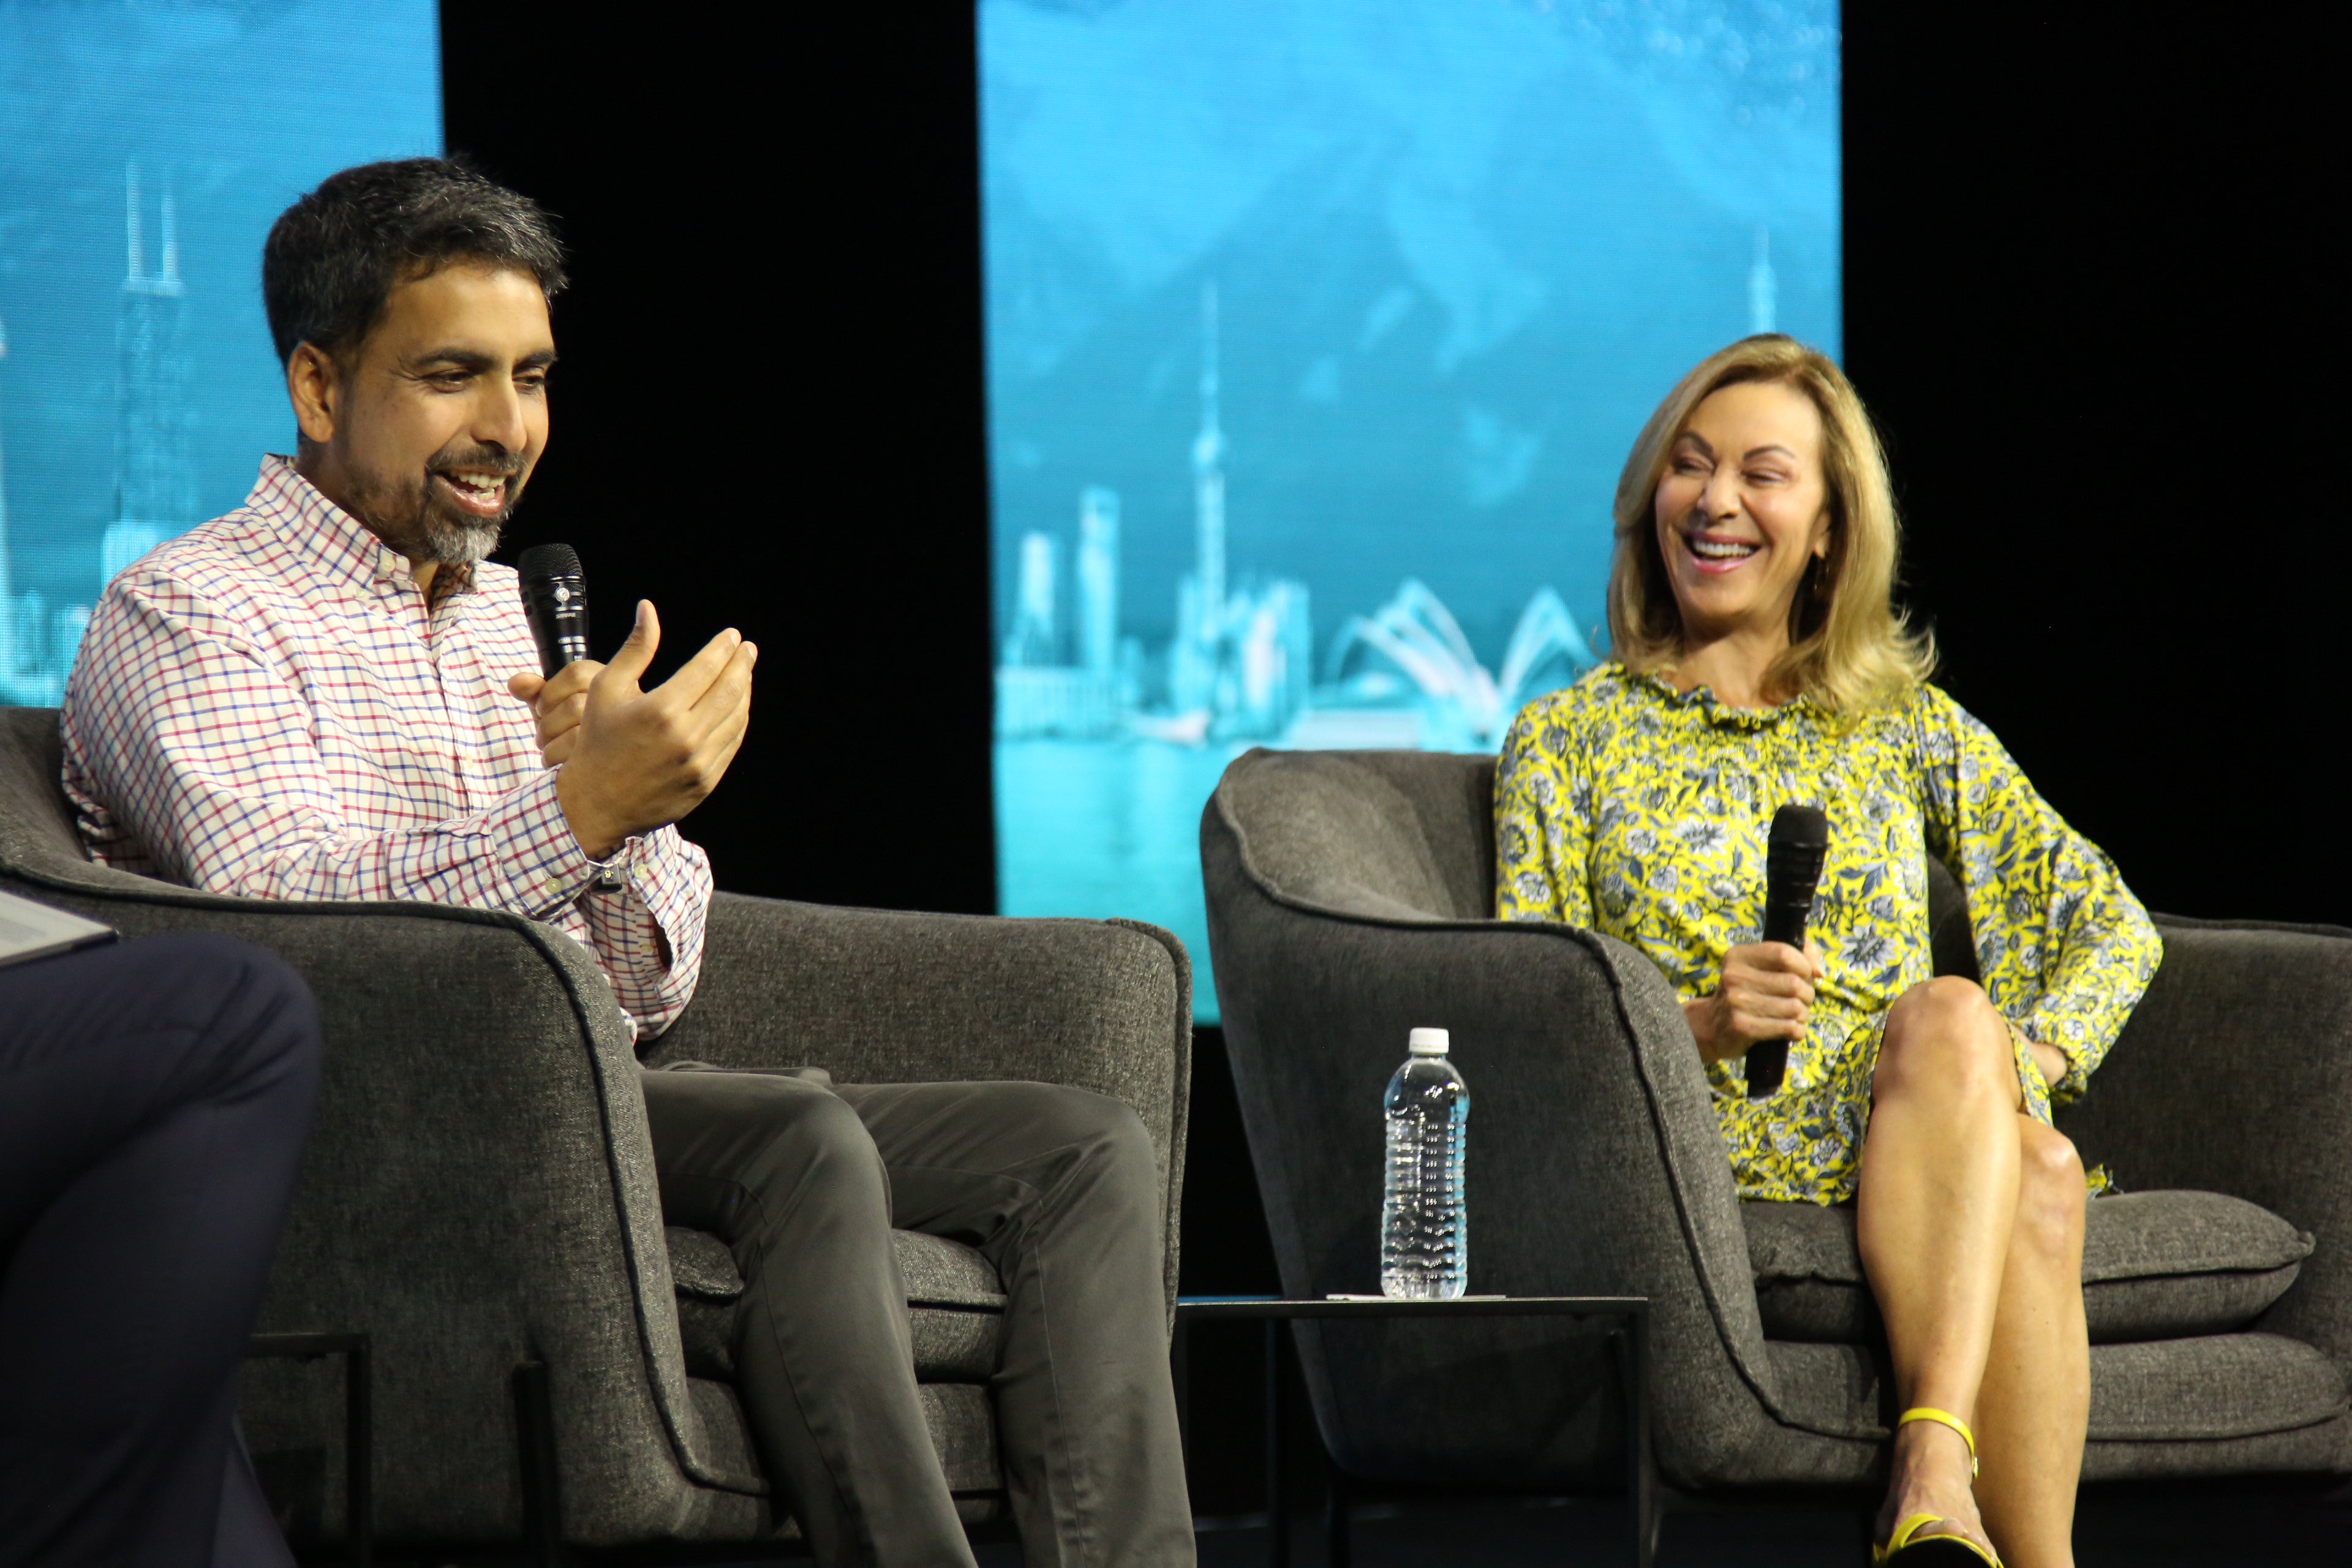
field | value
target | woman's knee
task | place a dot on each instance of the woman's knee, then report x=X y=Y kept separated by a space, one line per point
x=1944 y=1038
x=2050 y=1192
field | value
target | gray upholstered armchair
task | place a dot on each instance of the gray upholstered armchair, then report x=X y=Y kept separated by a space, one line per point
x=1349 y=896
x=479 y=1195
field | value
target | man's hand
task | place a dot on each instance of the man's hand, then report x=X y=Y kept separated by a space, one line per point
x=1766 y=994
x=634 y=760
x=557 y=702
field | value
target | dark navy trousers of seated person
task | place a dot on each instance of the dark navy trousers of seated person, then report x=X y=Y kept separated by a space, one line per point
x=155 y=1097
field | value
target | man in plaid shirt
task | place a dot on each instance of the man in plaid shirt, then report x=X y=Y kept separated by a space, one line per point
x=331 y=693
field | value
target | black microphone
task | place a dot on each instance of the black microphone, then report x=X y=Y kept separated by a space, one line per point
x=555 y=603
x=1792 y=868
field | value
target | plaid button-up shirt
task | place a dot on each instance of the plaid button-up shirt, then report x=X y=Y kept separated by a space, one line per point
x=266 y=706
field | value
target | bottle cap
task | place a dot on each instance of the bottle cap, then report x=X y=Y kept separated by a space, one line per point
x=1427 y=1042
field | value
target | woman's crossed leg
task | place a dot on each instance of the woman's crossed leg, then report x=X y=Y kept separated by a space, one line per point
x=1971 y=1220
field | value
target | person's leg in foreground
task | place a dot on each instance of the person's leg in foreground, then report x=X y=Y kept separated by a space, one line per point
x=154 y=1101
x=1971 y=1220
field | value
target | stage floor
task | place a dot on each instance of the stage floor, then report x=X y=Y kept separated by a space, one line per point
x=2206 y=1533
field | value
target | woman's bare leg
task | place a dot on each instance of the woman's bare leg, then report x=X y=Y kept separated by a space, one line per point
x=2035 y=1399
x=1937 y=1201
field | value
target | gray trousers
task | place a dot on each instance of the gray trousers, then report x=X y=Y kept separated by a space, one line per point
x=1056 y=1186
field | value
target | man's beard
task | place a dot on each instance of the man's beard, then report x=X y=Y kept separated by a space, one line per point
x=416 y=520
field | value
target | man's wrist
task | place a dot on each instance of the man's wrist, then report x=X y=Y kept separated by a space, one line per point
x=598 y=837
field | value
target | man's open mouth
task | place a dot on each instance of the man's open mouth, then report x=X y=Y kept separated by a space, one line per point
x=474 y=491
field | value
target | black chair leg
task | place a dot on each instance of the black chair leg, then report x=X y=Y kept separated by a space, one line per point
x=542 y=1513
x=359 y=1423
x=359 y=1450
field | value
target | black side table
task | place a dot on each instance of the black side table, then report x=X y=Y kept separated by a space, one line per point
x=358 y=1425
x=1630 y=1344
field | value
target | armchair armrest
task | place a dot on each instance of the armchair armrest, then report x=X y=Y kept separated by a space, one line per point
x=887 y=996
x=478 y=1191
x=2234 y=1075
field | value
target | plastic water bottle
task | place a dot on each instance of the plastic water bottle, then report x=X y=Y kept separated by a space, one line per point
x=1424 y=1228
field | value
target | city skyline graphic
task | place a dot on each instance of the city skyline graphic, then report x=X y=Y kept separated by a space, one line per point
x=138 y=387
x=155 y=481
x=1317 y=336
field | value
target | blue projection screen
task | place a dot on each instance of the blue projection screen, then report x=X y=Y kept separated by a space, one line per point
x=1317 y=332
x=145 y=151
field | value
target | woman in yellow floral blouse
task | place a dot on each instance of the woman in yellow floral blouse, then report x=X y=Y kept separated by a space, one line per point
x=1759 y=662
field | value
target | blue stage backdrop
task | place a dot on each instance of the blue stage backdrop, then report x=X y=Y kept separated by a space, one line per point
x=144 y=151
x=1318 y=330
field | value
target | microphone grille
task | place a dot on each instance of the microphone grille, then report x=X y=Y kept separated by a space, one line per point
x=544 y=561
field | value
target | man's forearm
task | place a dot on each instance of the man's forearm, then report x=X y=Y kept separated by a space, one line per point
x=518 y=854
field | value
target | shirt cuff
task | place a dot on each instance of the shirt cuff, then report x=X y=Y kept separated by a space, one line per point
x=539 y=858
x=661 y=879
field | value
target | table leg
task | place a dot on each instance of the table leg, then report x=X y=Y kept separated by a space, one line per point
x=1180 y=1369
x=1631 y=1346
x=1338 y=1549
x=1277 y=1506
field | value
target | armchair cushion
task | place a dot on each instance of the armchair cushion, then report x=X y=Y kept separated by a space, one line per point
x=2216 y=1387
x=2156 y=1266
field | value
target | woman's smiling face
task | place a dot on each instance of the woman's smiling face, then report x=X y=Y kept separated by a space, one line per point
x=1742 y=508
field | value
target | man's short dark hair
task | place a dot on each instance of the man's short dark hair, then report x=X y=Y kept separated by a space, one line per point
x=333 y=259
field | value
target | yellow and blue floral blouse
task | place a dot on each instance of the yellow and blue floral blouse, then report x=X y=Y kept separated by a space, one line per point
x=1625 y=807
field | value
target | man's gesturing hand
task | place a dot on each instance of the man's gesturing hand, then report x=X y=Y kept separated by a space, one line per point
x=1766 y=994
x=635 y=760
x=557 y=701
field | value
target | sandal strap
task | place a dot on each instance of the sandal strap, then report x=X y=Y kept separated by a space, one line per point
x=1907 y=1534
x=1945 y=1418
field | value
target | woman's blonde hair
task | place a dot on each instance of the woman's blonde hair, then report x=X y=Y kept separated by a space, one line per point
x=1849 y=648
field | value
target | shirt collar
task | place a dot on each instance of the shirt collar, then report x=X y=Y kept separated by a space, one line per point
x=332 y=542
x=1702 y=700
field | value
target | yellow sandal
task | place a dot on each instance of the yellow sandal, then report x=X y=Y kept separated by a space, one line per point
x=1906 y=1548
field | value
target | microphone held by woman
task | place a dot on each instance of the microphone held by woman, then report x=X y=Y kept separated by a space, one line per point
x=1792 y=870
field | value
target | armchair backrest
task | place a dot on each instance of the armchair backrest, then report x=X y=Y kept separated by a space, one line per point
x=1412 y=834
x=1400 y=835
x=40 y=845
x=37 y=825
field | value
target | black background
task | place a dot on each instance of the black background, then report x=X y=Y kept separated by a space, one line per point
x=2089 y=298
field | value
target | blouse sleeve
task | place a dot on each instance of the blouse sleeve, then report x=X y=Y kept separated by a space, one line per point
x=1543 y=831
x=2063 y=948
